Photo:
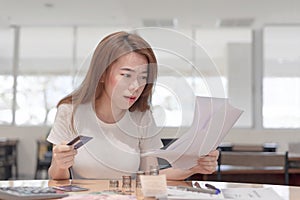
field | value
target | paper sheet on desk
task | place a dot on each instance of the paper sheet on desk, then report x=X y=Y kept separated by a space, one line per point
x=251 y=194
x=213 y=118
x=228 y=194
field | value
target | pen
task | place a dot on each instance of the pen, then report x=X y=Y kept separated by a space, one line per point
x=192 y=189
x=213 y=188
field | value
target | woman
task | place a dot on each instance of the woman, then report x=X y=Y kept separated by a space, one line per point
x=112 y=106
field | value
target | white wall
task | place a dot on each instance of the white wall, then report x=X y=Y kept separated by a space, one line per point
x=248 y=136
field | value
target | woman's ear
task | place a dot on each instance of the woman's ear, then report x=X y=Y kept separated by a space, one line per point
x=103 y=76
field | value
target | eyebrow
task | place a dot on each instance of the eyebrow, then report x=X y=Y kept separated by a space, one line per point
x=132 y=70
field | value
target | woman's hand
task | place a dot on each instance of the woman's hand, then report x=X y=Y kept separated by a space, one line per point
x=63 y=156
x=207 y=164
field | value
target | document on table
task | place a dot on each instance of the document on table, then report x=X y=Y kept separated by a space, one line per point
x=228 y=194
x=250 y=194
x=213 y=118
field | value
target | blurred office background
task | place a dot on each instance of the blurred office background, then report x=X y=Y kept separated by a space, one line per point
x=255 y=45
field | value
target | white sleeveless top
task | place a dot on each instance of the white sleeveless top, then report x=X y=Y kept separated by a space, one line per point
x=115 y=148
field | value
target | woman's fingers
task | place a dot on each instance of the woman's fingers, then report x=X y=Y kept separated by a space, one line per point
x=63 y=155
x=214 y=153
x=207 y=164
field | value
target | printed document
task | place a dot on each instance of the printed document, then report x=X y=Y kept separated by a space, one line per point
x=213 y=118
x=251 y=194
x=227 y=194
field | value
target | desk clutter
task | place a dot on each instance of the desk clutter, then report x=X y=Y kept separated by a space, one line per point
x=173 y=192
x=29 y=192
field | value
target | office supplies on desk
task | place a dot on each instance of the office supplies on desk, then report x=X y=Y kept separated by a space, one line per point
x=267 y=191
x=217 y=190
x=30 y=193
x=181 y=192
x=203 y=190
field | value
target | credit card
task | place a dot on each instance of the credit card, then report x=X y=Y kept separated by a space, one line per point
x=79 y=141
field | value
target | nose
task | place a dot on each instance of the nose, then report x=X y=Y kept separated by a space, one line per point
x=134 y=85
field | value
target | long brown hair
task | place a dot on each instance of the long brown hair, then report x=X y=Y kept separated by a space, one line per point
x=106 y=53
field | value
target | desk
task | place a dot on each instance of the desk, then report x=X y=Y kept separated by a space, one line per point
x=258 y=174
x=272 y=176
x=286 y=192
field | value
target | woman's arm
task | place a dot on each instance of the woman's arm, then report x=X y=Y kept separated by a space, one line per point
x=62 y=160
x=206 y=165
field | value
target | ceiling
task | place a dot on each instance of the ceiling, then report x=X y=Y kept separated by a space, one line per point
x=139 y=13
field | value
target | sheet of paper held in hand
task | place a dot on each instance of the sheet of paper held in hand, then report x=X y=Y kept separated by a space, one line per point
x=213 y=118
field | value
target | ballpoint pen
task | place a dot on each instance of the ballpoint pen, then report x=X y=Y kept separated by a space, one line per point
x=71 y=175
x=203 y=190
x=213 y=188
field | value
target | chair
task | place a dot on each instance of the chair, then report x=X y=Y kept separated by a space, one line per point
x=247 y=148
x=266 y=147
x=44 y=156
x=253 y=163
x=8 y=158
x=163 y=164
x=167 y=141
x=294 y=156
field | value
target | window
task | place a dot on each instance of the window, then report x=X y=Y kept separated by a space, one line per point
x=231 y=50
x=179 y=80
x=281 y=81
x=37 y=97
x=45 y=73
x=6 y=75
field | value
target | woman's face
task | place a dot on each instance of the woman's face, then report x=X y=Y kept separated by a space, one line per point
x=126 y=80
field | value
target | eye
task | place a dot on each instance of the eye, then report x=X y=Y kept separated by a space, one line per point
x=126 y=75
x=143 y=79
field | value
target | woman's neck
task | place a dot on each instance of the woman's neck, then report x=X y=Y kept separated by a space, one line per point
x=106 y=113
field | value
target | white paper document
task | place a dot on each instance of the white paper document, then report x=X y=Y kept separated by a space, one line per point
x=213 y=118
x=251 y=194
x=227 y=194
